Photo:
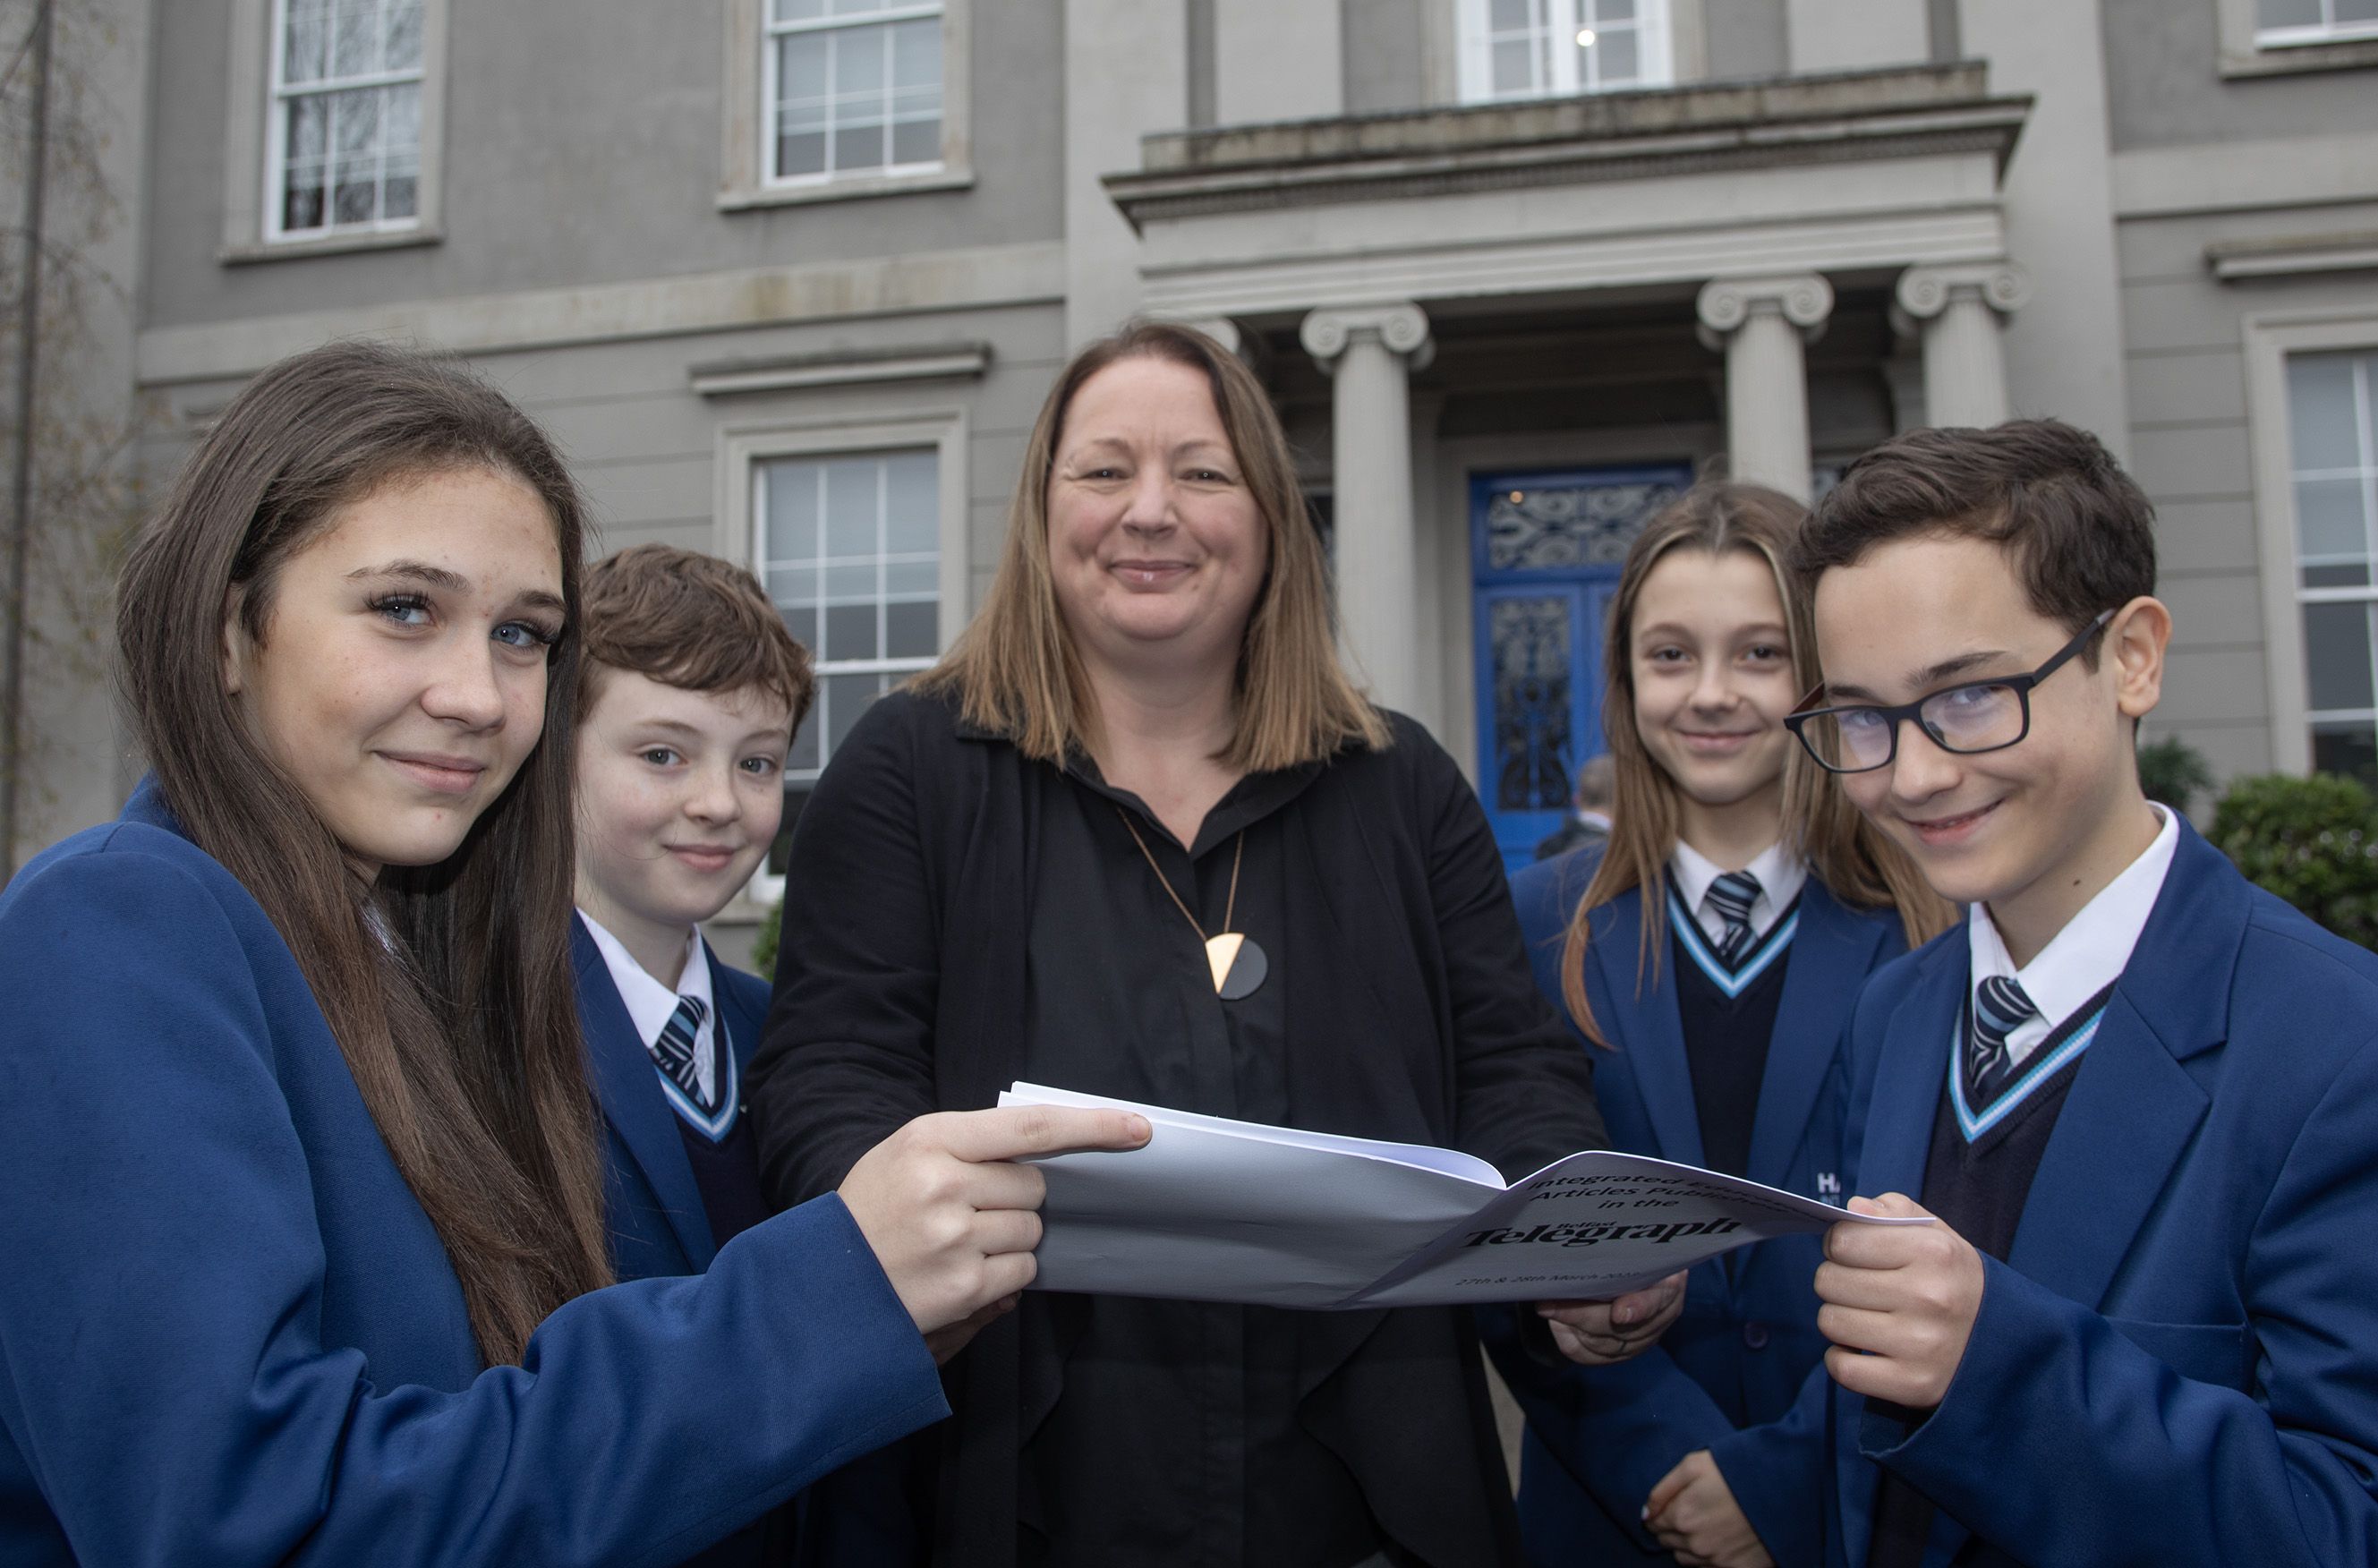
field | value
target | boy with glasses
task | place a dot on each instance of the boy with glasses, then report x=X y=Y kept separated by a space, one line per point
x=2140 y=1093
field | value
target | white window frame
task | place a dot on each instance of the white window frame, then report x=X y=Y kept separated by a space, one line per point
x=252 y=163
x=747 y=156
x=741 y=527
x=2249 y=49
x=2326 y=30
x=1655 y=51
x=2270 y=338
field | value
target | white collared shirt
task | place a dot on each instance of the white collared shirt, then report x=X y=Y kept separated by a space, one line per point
x=650 y=1004
x=2083 y=958
x=1780 y=874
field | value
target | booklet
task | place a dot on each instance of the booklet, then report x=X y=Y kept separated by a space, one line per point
x=1215 y=1210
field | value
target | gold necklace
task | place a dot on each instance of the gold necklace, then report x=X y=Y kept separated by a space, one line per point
x=1237 y=962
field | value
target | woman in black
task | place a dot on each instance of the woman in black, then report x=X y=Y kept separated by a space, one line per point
x=1139 y=836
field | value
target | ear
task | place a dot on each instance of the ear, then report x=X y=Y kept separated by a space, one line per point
x=2135 y=640
x=238 y=648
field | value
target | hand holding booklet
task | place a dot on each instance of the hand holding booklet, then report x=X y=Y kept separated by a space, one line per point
x=1215 y=1210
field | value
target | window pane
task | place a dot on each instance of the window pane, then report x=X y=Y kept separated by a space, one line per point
x=2357 y=11
x=2330 y=526
x=2287 y=13
x=2336 y=655
x=798 y=10
x=301 y=203
x=309 y=129
x=305 y=41
x=801 y=68
x=850 y=632
x=400 y=193
x=912 y=503
x=792 y=494
x=354 y=198
x=804 y=754
x=851 y=498
x=801 y=619
x=912 y=630
x=859 y=7
x=799 y=153
x=1514 y=67
x=1511 y=15
x=2320 y=412
x=1615 y=58
x=355 y=38
x=853 y=584
x=2346 y=747
x=848 y=697
x=911 y=578
x=917 y=141
x=917 y=55
x=401 y=118
x=401 y=50
x=354 y=124
x=1602 y=13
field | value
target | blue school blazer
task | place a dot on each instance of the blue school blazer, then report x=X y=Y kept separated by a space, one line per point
x=658 y=1225
x=1727 y=1375
x=2177 y=1363
x=230 y=1336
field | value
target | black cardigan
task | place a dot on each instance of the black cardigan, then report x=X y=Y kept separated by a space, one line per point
x=900 y=991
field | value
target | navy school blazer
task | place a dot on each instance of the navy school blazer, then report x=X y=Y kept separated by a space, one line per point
x=230 y=1336
x=2177 y=1362
x=658 y=1227
x=1730 y=1374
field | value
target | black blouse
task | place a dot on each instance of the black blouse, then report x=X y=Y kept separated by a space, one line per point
x=961 y=917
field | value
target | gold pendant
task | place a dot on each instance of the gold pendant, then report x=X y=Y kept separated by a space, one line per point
x=1237 y=962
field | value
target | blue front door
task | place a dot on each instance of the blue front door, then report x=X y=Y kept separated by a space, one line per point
x=1547 y=550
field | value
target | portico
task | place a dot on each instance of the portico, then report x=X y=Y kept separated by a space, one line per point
x=1591 y=300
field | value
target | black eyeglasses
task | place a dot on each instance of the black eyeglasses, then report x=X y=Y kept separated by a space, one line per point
x=1980 y=715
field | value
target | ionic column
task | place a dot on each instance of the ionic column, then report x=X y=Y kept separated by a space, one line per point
x=1761 y=324
x=1370 y=352
x=1958 y=310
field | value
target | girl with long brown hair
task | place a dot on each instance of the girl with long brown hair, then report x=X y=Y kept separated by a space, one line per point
x=306 y=1241
x=1709 y=952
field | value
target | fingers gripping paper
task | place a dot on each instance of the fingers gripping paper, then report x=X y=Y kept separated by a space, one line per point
x=1214 y=1209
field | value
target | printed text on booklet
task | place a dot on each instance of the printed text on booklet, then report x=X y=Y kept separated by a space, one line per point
x=1215 y=1210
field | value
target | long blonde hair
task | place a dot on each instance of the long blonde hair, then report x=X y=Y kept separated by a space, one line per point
x=1844 y=851
x=1015 y=670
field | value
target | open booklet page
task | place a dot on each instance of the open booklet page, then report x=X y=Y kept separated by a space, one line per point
x=1215 y=1210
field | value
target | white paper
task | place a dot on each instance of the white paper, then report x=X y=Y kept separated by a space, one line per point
x=1215 y=1210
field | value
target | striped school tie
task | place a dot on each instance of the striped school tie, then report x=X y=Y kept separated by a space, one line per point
x=1732 y=895
x=2000 y=1009
x=673 y=1052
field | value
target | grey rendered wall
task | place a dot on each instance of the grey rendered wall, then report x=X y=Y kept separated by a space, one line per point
x=2190 y=451
x=582 y=147
x=2164 y=89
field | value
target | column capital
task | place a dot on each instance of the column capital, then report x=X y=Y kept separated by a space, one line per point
x=1804 y=299
x=1399 y=325
x=1923 y=292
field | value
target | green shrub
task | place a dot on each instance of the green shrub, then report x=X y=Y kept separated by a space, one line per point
x=2313 y=842
x=2175 y=773
x=764 y=947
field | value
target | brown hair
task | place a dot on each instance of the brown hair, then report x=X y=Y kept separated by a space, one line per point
x=460 y=1023
x=1844 y=851
x=1015 y=670
x=687 y=620
x=2079 y=530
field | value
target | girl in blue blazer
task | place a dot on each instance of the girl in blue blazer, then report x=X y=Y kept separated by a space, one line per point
x=1714 y=947
x=305 y=1258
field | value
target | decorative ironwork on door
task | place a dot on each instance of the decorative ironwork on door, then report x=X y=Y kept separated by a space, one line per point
x=1545 y=557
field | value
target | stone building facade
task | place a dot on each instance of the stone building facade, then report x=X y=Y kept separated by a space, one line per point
x=789 y=278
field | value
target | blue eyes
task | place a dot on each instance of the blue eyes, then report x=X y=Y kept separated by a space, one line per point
x=414 y=610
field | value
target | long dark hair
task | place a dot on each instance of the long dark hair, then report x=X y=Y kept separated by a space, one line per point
x=1844 y=851
x=461 y=1025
